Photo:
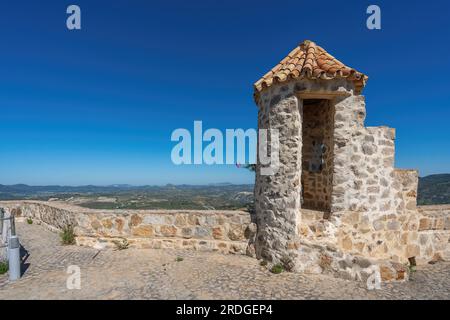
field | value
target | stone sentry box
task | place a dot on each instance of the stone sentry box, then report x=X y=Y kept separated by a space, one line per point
x=330 y=163
x=335 y=205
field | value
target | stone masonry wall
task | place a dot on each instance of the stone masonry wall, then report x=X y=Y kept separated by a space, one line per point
x=434 y=233
x=363 y=163
x=419 y=232
x=385 y=235
x=318 y=122
x=373 y=205
x=277 y=197
x=223 y=231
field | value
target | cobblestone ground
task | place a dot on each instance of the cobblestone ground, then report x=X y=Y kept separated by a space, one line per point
x=156 y=274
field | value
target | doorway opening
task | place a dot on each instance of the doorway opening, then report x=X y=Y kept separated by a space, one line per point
x=317 y=154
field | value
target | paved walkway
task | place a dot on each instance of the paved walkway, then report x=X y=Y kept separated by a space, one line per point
x=155 y=274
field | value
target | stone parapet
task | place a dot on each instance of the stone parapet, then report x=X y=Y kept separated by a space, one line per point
x=224 y=231
x=434 y=233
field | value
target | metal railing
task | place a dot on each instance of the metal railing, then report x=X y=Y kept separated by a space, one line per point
x=11 y=243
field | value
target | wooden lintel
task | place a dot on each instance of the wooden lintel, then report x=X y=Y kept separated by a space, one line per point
x=328 y=95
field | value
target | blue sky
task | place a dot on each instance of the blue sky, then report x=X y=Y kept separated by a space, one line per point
x=98 y=106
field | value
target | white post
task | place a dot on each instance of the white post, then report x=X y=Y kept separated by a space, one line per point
x=3 y=237
x=14 y=258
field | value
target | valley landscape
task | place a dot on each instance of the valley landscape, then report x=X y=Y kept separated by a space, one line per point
x=433 y=189
x=207 y=197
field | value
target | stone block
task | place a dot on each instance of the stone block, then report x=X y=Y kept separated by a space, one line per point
x=119 y=222
x=168 y=231
x=143 y=231
x=95 y=224
x=393 y=225
x=438 y=224
x=373 y=189
x=447 y=223
x=217 y=233
x=107 y=223
x=425 y=224
x=387 y=274
x=201 y=232
x=411 y=205
x=412 y=250
x=135 y=220
x=368 y=149
x=378 y=225
x=347 y=243
x=180 y=220
x=153 y=219
x=187 y=232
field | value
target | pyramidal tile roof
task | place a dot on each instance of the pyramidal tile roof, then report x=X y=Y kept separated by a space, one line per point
x=310 y=61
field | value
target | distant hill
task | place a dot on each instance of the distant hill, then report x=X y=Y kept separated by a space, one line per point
x=122 y=196
x=434 y=189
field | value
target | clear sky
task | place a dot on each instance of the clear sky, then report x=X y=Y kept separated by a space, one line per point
x=98 y=106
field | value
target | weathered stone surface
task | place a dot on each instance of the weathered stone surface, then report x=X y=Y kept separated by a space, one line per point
x=387 y=274
x=135 y=220
x=412 y=250
x=107 y=223
x=119 y=224
x=371 y=205
x=277 y=196
x=95 y=224
x=143 y=231
x=235 y=232
x=155 y=274
x=217 y=233
x=201 y=232
x=142 y=228
x=187 y=232
x=168 y=231
x=378 y=225
x=393 y=225
x=347 y=244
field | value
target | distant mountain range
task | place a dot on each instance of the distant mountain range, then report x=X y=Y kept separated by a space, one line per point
x=215 y=196
x=433 y=189
x=20 y=191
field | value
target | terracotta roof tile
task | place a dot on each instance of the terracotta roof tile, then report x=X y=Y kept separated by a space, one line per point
x=308 y=60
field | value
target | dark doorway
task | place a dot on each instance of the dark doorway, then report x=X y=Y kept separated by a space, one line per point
x=317 y=154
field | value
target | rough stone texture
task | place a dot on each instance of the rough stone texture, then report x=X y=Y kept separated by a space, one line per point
x=277 y=197
x=363 y=161
x=223 y=231
x=156 y=274
x=317 y=185
x=388 y=234
x=321 y=247
x=364 y=206
x=434 y=233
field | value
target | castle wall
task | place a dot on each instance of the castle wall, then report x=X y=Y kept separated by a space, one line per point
x=363 y=162
x=223 y=231
x=385 y=235
x=434 y=233
x=373 y=205
x=424 y=232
